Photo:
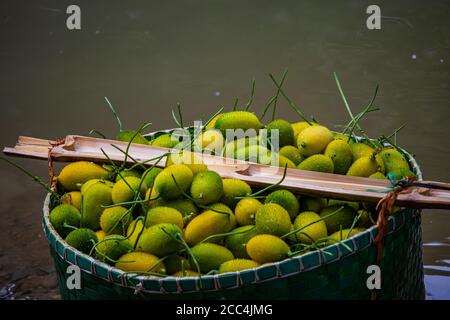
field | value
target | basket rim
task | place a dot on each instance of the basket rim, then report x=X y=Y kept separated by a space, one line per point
x=230 y=280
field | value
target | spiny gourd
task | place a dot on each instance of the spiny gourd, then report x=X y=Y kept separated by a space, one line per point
x=360 y=149
x=128 y=173
x=313 y=140
x=312 y=204
x=340 y=153
x=187 y=158
x=75 y=174
x=160 y=240
x=273 y=219
x=212 y=123
x=91 y=182
x=377 y=175
x=211 y=140
x=233 y=188
x=285 y=162
x=160 y=214
x=112 y=247
x=317 y=162
x=285 y=131
x=286 y=199
x=342 y=219
x=185 y=206
x=165 y=141
x=125 y=189
x=293 y=154
x=209 y=256
x=140 y=262
x=299 y=127
x=266 y=248
x=131 y=135
x=94 y=198
x=115 y=220
x=100 y=234
x=237 y=120
x=338 y=202
x=309 y=227
x=363 y=167
x=82 y=239
x=73 y=198
x=207 y=224
x=237 y=265
x=173 y=180
x=238 y=239
x=149 y=176
x=245 y=211
x=206 y=187
x=63 y=216
x=134 y=229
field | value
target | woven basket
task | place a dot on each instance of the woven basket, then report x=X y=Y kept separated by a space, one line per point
x=341 y=274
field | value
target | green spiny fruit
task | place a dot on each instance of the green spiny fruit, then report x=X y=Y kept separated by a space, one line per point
x=115 y=220
x=187 y=158
x=310 y=227
x=140 y=262
x=124 y=190
x=160 y=240
x=62 y=215
x=265 y=248
x=377 y=175
x=206 y=224
x=112 y=247
x=285 y=131
x=360 y=149
x=96 y=196
x=340 y=153
x=337 y=202
x=165 y=185
x=286 y=199
x=165 y=141
x=134 y=229
x=73 y=198
x=363 y=167
x=185 y=206
x=206 y=187
x=128 y=135
x=343 y=219
x=237 y=120
x=128 y=173
x=317 y=162
x=293 y=154
x=245 y=211
x=273 y=219
x=345 y=234
x=75 y=174
x=237 y=265
x=233 y=188
x=299 y=127
x=160 y=214
x=82 y=239
x=210 y=256
x=312 y=204
x=91 y=182
x=237 y=242
x=149 y=176
x=313 y=140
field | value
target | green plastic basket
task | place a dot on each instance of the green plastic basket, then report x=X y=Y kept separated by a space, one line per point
x=340 y=274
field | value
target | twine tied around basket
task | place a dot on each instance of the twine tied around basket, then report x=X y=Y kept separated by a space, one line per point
x=51 y=171
x=384 y=208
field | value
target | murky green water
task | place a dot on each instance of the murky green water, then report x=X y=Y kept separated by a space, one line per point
x=147 y=56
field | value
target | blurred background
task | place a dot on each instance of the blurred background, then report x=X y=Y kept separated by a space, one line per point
x=146 y=56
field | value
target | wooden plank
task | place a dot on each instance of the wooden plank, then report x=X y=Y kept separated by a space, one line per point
x=303 y=182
